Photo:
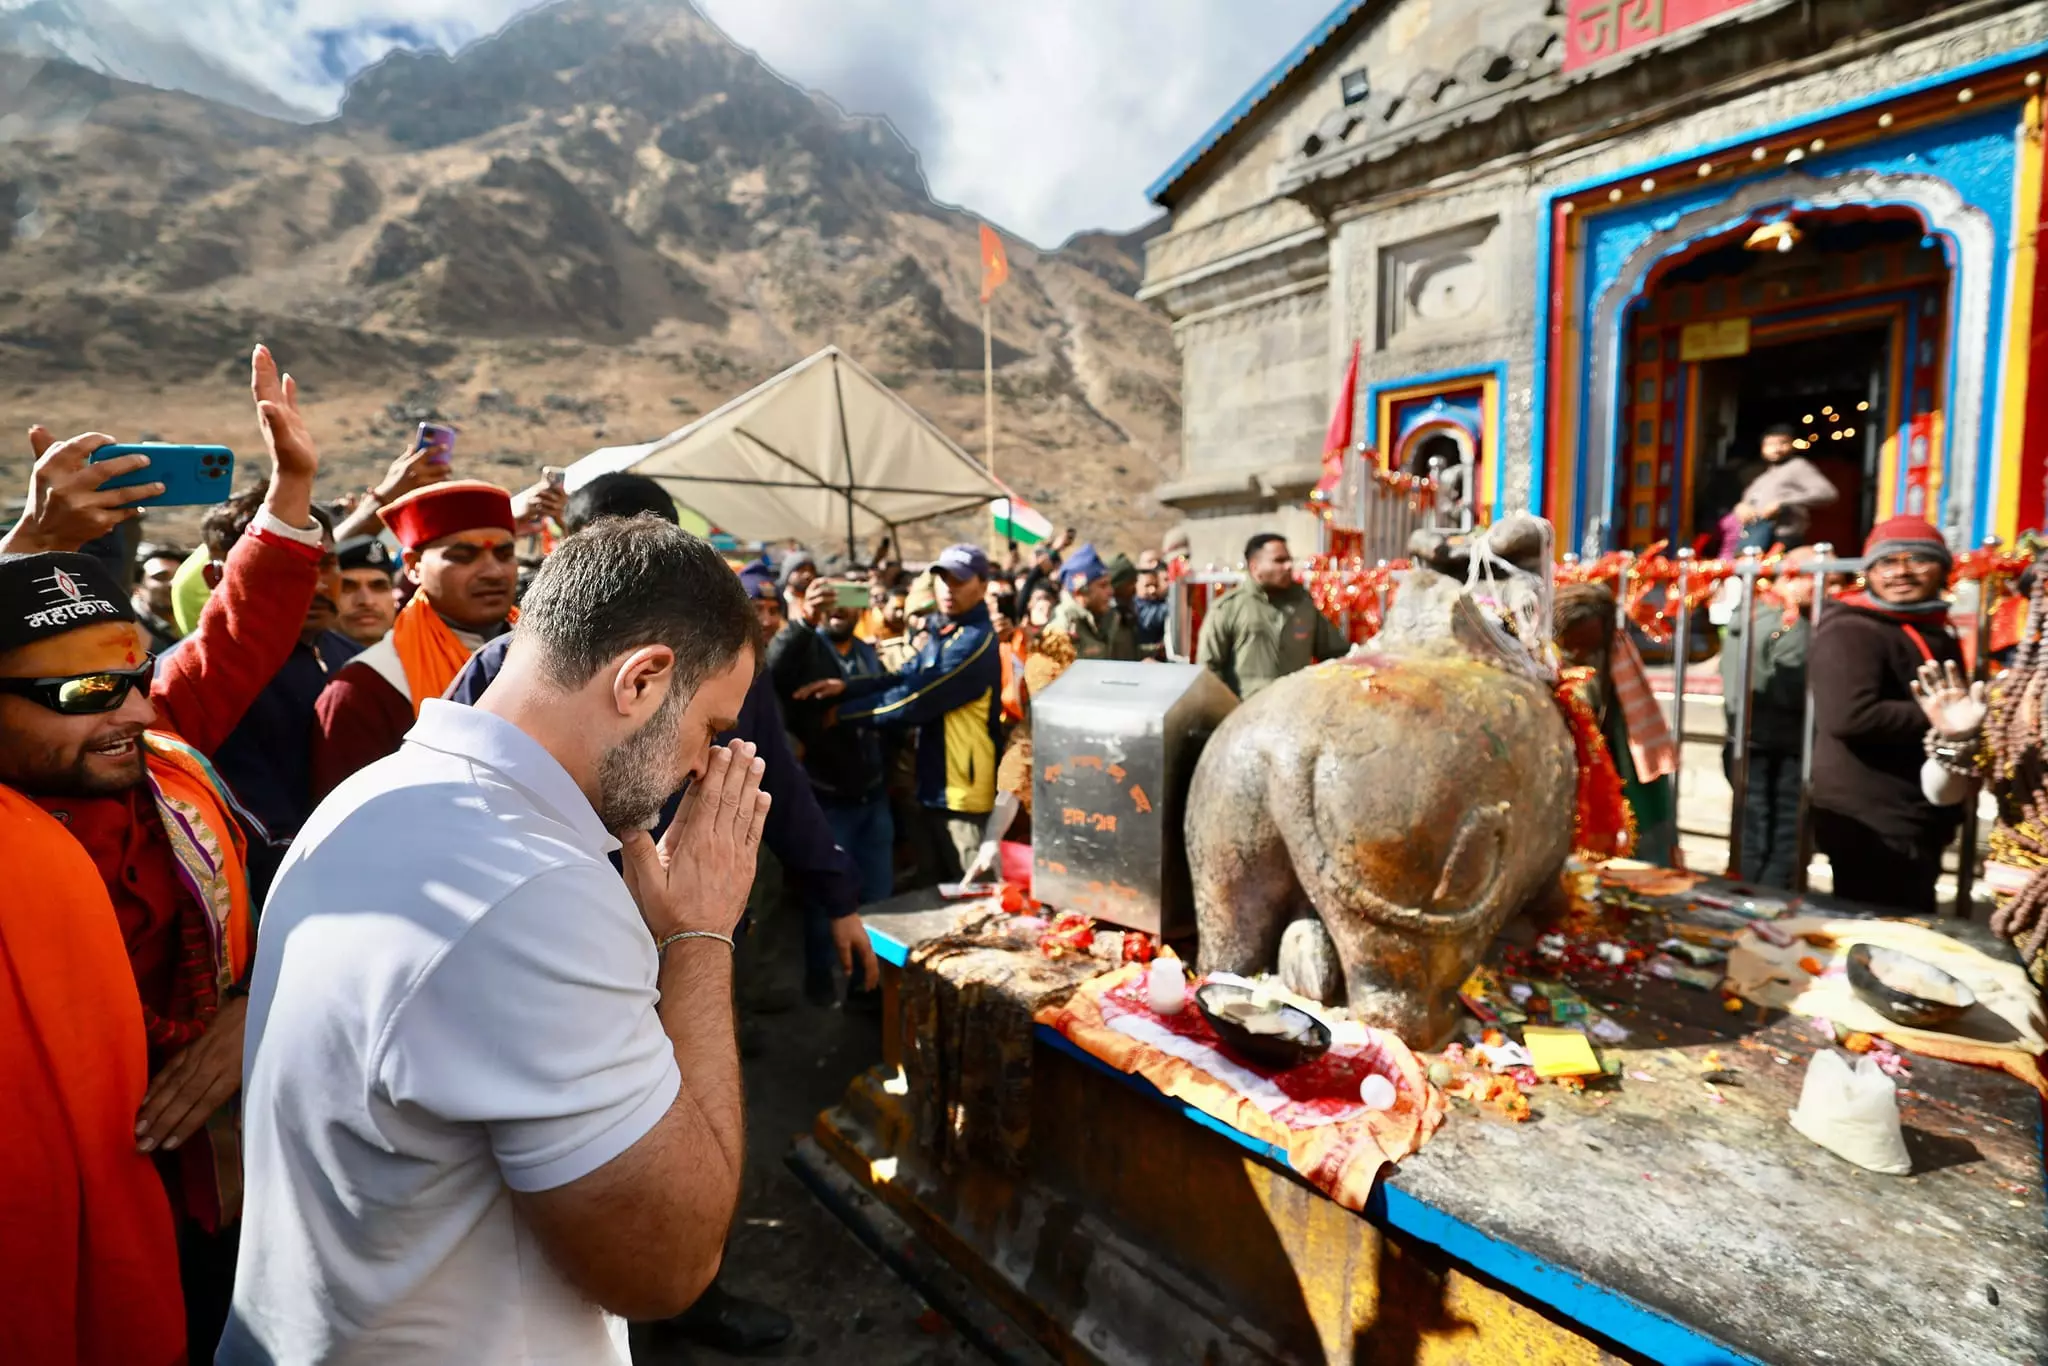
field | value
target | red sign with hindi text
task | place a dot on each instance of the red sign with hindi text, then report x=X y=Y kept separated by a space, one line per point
x=1598 y=29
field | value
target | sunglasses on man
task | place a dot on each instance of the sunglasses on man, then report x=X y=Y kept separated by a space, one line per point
x=90 y=694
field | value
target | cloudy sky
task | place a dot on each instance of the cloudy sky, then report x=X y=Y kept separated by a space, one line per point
x=1048 y=118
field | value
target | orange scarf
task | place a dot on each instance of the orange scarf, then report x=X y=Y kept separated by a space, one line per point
x=1602 y=823
x=428 y=651
x=89 y=1268
x=206 y=841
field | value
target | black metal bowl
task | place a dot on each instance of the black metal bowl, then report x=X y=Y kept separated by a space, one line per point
x=1904 y=988
x=1270 y=1051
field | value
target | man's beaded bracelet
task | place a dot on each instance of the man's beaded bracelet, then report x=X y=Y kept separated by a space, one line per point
x=661 y=945
x=1957 y=756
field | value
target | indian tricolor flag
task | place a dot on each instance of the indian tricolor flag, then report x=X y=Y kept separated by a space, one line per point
x=1019 y=522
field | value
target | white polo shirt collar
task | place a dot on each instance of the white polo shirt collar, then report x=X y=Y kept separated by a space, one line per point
x=497 y=744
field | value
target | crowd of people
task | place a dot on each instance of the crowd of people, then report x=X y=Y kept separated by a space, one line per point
x=331 y=828
x=379 y=914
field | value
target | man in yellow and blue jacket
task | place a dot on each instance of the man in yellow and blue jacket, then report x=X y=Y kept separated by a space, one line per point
x=952 y=693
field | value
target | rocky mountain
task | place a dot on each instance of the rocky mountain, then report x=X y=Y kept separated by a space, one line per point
x=582 y=231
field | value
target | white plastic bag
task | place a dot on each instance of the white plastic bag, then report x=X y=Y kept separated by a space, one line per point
x=1853 y=1114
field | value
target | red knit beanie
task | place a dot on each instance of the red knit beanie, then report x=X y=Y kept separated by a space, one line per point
x=1907 y=535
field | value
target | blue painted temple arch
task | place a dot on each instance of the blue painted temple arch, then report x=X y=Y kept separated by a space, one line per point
x=1959 y=176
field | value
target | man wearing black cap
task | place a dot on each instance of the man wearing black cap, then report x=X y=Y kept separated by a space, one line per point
x=367 y=605
x=952 y=692
x=115 y=817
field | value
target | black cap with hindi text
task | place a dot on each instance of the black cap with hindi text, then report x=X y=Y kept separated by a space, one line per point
x=48 y=594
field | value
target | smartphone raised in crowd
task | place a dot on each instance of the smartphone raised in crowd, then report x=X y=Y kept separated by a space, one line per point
x=438 y=437
x=192 y=476
x=854 y=595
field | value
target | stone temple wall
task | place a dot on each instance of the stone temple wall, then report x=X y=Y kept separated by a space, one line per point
x=1441 y=277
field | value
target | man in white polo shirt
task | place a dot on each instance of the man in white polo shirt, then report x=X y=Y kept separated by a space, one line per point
x=492 y=1096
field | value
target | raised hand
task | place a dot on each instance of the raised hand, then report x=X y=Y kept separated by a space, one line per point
x=536 y=504
x=66 y=505
x=1954 y=708
x=698 y=877
x=817 y=602
x=294 y=459
x=415 y=469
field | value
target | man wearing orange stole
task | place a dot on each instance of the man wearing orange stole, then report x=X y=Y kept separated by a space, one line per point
x=458 y=539
x=125 y=917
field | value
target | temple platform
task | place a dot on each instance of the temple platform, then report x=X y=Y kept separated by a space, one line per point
x=1673 y=1215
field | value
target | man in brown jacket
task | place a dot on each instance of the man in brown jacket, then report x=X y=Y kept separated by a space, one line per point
x=1777 y=507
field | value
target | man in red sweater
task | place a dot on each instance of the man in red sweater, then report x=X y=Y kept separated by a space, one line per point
x=458 y=539
x=97 y=756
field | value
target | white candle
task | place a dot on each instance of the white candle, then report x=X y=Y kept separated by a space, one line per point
x=1166 y=991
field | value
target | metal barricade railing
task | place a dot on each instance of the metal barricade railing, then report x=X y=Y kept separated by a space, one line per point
x=1382 y=520
x=1379 y=509
x=1187 y=602
x=1822 y=565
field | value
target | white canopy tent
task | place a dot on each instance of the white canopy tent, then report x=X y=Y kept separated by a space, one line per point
x=823 y=451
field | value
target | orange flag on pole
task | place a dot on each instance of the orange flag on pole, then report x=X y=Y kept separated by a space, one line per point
x=995 y=265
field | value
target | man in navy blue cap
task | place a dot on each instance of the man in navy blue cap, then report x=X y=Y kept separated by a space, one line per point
x=1087 y=615
x=952 y=692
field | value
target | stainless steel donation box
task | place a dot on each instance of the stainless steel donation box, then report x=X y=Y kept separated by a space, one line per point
x=1113 y=750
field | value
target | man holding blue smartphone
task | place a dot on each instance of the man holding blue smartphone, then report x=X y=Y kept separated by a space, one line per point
x=126 y=919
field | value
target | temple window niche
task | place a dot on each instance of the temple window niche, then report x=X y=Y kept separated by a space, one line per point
x=1440 y=286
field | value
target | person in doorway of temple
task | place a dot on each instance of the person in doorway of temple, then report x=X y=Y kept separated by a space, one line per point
x=1882 y=836
x=1777 y=506
x=458 y=539
x=125 y=929
x=1589 y=636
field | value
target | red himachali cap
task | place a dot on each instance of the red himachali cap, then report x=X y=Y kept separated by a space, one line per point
x=426 y=515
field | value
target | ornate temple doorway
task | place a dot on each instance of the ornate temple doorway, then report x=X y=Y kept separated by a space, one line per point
x=1831 y=322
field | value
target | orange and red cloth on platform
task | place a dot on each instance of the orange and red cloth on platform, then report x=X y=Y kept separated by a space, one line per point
x=1311 y=1113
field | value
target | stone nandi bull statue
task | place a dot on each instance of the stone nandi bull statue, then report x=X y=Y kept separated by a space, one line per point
x=1412 y=796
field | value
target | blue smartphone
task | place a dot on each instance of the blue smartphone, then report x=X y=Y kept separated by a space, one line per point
x=191 y=475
